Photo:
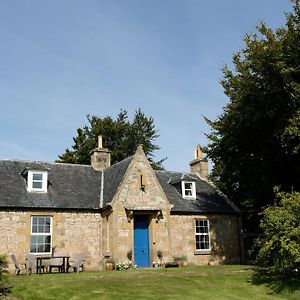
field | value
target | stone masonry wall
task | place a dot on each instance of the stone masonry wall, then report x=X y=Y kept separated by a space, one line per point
x=72 y=232
x=224 y=237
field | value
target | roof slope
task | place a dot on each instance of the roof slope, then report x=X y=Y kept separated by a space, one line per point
x=113 y=177
x=81 y=187
x=70 y=186
x=208 y=198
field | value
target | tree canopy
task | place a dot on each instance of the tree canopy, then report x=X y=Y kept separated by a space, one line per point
x=255 y=143
x=120 y=136
x=280 y=240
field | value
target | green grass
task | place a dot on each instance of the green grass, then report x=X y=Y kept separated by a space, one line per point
x=195 y=282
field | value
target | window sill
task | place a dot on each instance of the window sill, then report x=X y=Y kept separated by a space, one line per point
x=189 y=198
x=202 y=252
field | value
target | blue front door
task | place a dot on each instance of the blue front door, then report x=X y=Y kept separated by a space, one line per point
x=141 y=241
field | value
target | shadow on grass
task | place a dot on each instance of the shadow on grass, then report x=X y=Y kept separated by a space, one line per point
x=277 y=282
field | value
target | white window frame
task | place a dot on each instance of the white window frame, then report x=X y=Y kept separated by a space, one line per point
x=207 y=234
x=185 y=191
x=41 y=234
x=31 y=180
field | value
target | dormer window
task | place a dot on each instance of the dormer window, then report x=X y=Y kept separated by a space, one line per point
x=37 y=181
x=188 y=190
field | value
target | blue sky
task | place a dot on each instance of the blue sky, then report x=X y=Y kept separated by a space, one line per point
x=63 y=59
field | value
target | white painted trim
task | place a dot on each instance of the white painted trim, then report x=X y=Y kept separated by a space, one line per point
x=42 y=233
x=30 y=181
x=193 y=190
x=207 y=234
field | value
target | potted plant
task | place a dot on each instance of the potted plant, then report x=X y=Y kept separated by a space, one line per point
x=109 y=264
x=184 y=261
x=160 y=256
x=181 y=260
x=129 y=255
x=211 y=260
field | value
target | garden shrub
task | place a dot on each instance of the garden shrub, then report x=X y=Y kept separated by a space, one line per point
x=3 y=278
x=280 y=240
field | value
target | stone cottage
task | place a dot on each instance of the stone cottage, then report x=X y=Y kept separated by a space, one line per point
x=106 y=211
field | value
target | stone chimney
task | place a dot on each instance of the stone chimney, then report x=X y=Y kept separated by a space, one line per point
x=100 y=157
x=199 y=165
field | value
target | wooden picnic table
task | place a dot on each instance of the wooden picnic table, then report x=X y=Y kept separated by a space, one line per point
x=65 y=264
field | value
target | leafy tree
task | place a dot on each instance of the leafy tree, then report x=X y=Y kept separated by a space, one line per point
x=280 y=241
x=255 y=142
x=120 y=136
x=3 y=279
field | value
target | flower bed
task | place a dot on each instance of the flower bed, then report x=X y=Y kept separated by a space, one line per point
x=125 y=265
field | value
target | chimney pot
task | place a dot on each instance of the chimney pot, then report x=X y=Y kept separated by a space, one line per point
x=100 y=141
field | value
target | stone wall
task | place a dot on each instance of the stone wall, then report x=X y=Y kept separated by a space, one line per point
x=224 y=237
x=72 y=232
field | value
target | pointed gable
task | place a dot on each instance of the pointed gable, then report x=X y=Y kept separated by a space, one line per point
x=140 y=189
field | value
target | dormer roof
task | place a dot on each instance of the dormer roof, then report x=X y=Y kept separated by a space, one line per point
x=69 y=186
x=208 y=198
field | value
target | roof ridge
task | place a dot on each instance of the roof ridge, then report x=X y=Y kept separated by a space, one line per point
x=178 y=173
x=42 y=162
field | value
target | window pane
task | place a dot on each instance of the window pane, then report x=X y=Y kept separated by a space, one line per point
x=188 y=185
x=40 y=229
x=34 y=239
x=37 y=184
x=36 y=176
x=41 y=220
x=34 y=229
x=47 y=239
x=40 y=239
x=47 y=247
x=204 y=229
x=33 y=248
x=33 y=244
x=47 y=243
x=47 y=229
x=40 y=248
x=47 y=225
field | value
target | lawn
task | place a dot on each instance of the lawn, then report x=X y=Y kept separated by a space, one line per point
x=194 y=282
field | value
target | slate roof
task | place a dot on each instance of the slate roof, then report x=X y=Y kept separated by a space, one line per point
x=208 y=198
x=81 y=187
x=70 y=186
x=112 y=179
